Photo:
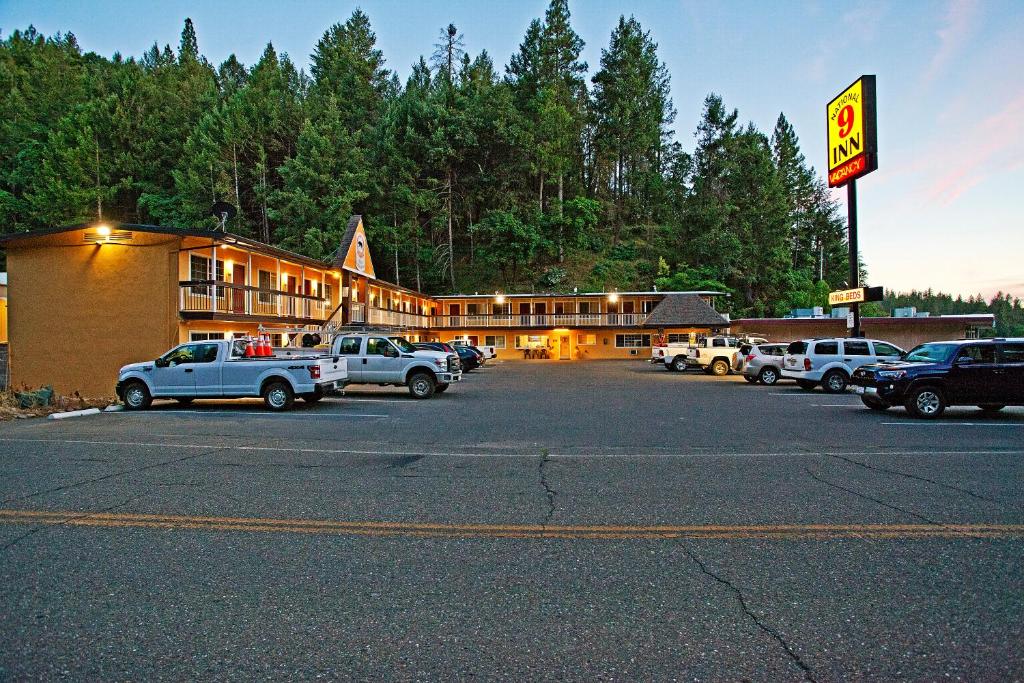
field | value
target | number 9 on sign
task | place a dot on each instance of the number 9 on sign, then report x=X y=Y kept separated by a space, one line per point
x=845 y=120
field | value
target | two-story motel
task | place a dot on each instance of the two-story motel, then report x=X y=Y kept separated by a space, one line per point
x=87 y=299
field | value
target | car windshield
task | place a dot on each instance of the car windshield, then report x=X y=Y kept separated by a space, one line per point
x=931 y=353
x=403 y=344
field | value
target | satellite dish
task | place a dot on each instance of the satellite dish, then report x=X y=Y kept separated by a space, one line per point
x=223 y=212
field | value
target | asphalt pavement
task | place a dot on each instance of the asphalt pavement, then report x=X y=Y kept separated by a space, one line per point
x=540 y=520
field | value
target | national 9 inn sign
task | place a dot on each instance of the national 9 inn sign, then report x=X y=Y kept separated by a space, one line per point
x=852 y=133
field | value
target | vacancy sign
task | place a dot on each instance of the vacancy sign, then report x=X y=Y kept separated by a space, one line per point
x=852 y=134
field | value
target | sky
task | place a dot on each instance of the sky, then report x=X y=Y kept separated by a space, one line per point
x=943 y=210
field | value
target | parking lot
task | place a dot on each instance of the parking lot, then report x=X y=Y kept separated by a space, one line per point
x=539 y=520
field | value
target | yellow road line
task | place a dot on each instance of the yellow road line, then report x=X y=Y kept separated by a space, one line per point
x=428 y=529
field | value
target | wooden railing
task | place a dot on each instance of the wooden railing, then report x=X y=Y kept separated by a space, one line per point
x=541 y=320
x=380 y=316
x=213 y=296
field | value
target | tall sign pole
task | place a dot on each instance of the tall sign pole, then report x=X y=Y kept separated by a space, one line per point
x=851 y=222
x=852 y=153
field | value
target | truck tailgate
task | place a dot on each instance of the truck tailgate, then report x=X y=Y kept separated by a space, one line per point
x=333 y=369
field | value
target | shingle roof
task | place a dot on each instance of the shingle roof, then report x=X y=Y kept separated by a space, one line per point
x=680 y=310
x=346 y=241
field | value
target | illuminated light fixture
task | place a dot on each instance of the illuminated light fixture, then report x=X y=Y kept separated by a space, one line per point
x=104 y=234
x=613 y=297
x=499 y=298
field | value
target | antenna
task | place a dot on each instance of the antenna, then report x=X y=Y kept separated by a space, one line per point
x=223 y=212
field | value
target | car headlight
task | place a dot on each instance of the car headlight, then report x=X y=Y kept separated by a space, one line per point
x=891 y=374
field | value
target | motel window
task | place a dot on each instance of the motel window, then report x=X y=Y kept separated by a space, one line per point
x=679 y=338
x=470 y=309
x=497 y=341
x=327 y=292
x=585 y=307
x=199 y=269
x=649 y=305
x=632 y=341
x=502 y=309
x=205 y=336
x=531 y=341
x=586 y=340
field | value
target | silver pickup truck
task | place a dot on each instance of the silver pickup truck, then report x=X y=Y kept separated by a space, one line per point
x=388 y=359
x=219 y=369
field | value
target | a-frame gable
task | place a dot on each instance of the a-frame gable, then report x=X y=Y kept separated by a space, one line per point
x=354 y=253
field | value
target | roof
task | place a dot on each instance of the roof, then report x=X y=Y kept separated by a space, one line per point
x=215 y=235
x=346 y=241
x=535 y=295
x=974 y=318
x=687 y=309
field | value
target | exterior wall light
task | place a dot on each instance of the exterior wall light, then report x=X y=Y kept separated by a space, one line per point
x=104 y=234
x=613 y=297
x=499 y=298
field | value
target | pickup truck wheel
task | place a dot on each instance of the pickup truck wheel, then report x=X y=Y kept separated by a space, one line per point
x=926 y=403
x=184 y=401
x=136 y=396
x=422 y=385
x=834 y=382
x=278 y=396
x=441 y=388
x=719 y=367
x=768 y=376
x=679 y=363
x=806 y=384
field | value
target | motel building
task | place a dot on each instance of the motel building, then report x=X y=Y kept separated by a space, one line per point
x=85 y=299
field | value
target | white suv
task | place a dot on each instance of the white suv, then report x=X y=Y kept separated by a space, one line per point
x=831 y=362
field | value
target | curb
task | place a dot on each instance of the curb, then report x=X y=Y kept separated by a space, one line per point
x=115 y=408
x=74 y=413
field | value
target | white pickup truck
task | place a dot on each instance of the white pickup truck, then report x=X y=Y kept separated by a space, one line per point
x=219 y=369
x=385 y=359
x=716 y=355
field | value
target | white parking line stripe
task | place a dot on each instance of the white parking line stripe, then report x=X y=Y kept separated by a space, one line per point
x=532 y=454
x=407 y=402
x=242 y=413
x=949 y=424
x=836 y=405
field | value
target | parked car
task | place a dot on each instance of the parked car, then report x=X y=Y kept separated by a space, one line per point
x=830 y=362
x=763 y=363
x=488 y=352
x=379 y=358
x=717 y=355
x=933 y=376
x=219 y=369
x=468 y=359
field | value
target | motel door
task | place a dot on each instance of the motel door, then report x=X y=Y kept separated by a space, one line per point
x=563 y=352
x=238 y=295
x=454 y=312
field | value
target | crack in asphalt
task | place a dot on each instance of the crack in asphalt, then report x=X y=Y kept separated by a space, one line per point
x=112 y=475
x=900 y=473
x=775 y=635
x=877 y=501
x=548 y=491
x=36 y=529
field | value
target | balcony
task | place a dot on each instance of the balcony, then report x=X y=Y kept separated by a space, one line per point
x=210 y=299
x=380 y=316
x=539 y=320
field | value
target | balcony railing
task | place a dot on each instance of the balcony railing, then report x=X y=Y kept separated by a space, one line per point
x=541 y=320
x=210 y=296
x=380 y=316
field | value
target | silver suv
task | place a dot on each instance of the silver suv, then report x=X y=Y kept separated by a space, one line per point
x=764 y=363
x=830 y=362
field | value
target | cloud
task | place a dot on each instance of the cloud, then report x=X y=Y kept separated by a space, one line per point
x=961 y=20
x=994 y=145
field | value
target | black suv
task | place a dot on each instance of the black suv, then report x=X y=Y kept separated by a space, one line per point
x=984 y=373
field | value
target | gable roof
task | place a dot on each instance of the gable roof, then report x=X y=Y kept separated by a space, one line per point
x=354 y=253
x=679 y=310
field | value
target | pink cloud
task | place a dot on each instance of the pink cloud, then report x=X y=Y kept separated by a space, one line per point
x=961 y=20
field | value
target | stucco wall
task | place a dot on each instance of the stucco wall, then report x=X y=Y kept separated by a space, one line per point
x=903 y=332
x=79 y=312
x=603 y=348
